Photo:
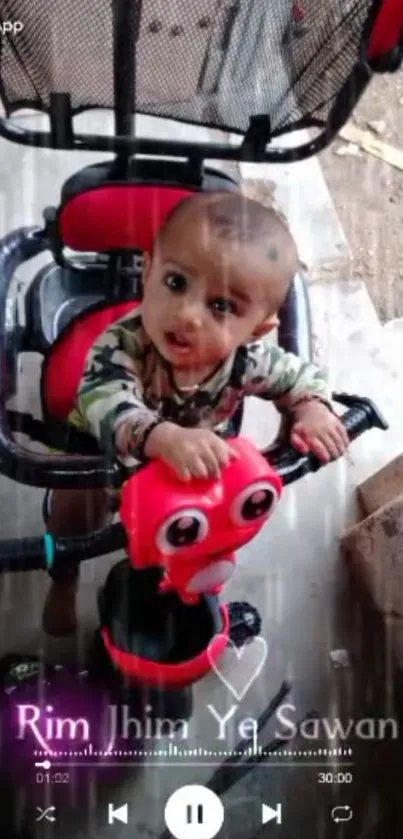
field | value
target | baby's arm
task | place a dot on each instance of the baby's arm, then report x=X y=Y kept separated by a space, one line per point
x=110 y=394
x=300 y=390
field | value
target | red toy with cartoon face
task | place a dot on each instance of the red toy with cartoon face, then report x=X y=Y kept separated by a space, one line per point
x=192 y=529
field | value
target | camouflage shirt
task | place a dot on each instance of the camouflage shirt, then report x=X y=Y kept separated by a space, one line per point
x=125 y=378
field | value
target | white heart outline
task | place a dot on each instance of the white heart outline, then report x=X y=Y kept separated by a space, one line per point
x=239 y=651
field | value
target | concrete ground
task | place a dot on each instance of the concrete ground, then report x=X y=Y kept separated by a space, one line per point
x=367 y=193
x=292 y=572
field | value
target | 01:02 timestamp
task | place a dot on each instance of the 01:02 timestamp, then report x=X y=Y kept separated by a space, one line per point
x=335 y=778
x=52 y=777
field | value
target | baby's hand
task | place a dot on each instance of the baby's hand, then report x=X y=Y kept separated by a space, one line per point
x=319 y=431
x=191 y=452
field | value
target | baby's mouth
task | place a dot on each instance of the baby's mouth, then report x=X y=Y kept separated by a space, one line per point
x=178 y=341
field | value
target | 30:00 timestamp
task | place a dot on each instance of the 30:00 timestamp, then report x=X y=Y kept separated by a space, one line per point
x=335 y=778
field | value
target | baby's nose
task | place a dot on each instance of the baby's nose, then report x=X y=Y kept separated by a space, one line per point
x=191 y=317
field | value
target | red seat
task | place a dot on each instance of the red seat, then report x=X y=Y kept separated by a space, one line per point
x=63 y=367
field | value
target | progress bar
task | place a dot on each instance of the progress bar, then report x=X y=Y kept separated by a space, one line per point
x=273 y=764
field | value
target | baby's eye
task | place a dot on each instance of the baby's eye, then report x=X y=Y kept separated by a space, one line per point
x=222 y=306
x=176 y=283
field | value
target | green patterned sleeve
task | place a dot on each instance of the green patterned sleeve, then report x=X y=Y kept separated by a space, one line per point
x=274 y=374
x=111 y=390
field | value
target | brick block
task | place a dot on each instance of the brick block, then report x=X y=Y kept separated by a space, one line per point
x=373 y=550
x=382 y=487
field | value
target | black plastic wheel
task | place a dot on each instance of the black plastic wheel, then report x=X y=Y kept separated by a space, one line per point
x=245 y=622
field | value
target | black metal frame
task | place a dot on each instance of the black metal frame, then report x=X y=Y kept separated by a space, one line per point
x=252 y=148
x=255 y=143
x=126 y=27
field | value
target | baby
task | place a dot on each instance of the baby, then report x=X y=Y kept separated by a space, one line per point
x=166 y=380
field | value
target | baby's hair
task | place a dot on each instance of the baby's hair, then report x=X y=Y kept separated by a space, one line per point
x=233 y=217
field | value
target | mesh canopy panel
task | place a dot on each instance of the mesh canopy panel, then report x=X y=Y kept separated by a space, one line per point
x=209 y=62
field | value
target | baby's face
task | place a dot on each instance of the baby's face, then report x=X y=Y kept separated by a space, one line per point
x=202 y=299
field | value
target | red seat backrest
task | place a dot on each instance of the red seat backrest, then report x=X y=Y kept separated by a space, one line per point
x=114 y=217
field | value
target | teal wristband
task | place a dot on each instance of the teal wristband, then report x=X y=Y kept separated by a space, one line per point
x=49 y=545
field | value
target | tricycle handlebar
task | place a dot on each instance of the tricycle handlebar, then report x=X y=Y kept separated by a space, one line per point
x=361 y=416
x=45 y=551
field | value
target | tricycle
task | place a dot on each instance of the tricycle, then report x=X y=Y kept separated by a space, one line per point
x=224 y=68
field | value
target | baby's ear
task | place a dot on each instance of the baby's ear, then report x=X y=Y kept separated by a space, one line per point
x=266 y=326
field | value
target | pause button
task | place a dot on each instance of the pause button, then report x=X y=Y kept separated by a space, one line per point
x=194 y=812
x=190 y=814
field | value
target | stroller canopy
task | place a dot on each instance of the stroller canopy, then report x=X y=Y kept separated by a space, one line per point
x=215 y=63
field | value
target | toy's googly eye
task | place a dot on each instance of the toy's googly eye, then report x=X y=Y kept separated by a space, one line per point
x=183 y=529
x=255 y=502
